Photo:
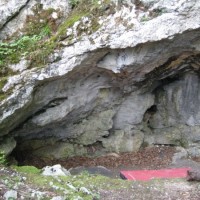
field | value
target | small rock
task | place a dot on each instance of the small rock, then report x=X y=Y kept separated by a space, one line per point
x=55 y=187
x=113 y=155
x=58 y=198
x=54 y=15
x=193 y=151
x=11 y=194
x=193 y=175
x=78 y=198
x=71 y=187
x=21 y=66
x=92 y=170
x=85 y=190
x=51 y=183
x=37 y=194
x=56 y=170
x=181 y=154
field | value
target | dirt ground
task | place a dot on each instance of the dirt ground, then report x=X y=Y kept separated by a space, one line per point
x=156 y=157
x=148 y=158
x=168 y=190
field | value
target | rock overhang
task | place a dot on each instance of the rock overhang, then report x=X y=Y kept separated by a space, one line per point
x=92 y=80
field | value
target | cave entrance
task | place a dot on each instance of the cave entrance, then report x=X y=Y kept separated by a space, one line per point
x=149 y=113
x=20 y=156
x=29 y=156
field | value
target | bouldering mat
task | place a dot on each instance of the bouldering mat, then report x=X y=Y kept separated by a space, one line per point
x=145 y=175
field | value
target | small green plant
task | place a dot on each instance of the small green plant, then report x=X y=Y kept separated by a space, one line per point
x=46 y=31
x=12 y=51
x=3 y=160
x=74 y=3
x=40 y=21
x=145 y=18
x=17 y=46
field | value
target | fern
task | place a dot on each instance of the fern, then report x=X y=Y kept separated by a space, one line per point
x=21 y=46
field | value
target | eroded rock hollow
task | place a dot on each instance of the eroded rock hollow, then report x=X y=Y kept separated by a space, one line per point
x=131 y=81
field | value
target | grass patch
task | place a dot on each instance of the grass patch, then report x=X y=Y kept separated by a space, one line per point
x=27 y=169
x=74 y=17
x=65 y=184
x=83 y=8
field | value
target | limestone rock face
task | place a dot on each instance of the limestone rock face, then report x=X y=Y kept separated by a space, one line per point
x=132 y=110
x=9 y=9
x=7 y=145
x=124 y=76
x=124 y=141
x=178 y=102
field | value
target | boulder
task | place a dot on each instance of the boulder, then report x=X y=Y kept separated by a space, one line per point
x=179 y=155
x=193 y=175
x=10 y=194
x=121 y=141
x=55 y=170
x=92 y=170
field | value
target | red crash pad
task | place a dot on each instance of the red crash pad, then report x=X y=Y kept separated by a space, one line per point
x=145 y=175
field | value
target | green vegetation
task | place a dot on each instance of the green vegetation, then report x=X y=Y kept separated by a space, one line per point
x=63 y=183
x=42 y=21
x=11 y=52
x=145 y=18
x=33 y=45
x=61 y=33
x=3 y=160
x=42 y=34
x=27 y=169
x=3 y=81
x=74 y=3
x=183 y=143
x=83 y=8
x=38 y=29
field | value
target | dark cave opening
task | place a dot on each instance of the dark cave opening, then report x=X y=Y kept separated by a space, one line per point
x=26 y=156
x=19 y=156
x=149 y=113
